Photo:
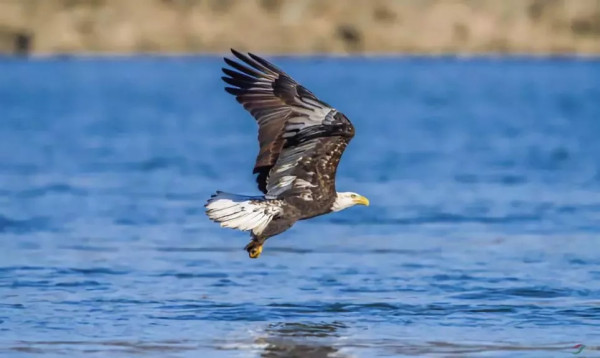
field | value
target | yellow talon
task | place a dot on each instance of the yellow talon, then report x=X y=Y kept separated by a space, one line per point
x=255 y=252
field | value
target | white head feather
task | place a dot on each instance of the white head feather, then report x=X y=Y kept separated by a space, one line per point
x=348 y=199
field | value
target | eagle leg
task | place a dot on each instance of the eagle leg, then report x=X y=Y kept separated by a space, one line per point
x=254 y=247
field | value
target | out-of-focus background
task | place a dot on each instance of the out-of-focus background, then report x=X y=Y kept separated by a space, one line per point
x=300 y=26
x=483 y=172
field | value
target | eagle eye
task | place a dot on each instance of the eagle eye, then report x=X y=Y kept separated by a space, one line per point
x=353 y=196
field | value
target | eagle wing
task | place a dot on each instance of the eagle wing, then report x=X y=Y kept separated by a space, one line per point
x=301 y=137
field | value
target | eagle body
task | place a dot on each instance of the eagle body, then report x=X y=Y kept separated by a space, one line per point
x=301 y=141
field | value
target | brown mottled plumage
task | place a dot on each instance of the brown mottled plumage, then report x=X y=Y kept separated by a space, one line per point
x=301 y=142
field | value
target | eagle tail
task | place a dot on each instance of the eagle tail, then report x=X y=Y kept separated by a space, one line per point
x=240 y=212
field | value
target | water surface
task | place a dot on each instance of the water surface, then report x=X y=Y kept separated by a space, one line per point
x=481 y=238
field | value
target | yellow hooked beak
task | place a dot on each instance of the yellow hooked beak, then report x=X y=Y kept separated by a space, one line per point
x=361 y=200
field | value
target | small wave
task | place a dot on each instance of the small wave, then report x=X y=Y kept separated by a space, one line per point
x=197 y=249
x=12 y=305
x=22 y=226
x=94 y=271
x=51 y=189
x=521 y=292
x=337 y=307
x=441 y=218
x=508 y=180
x=185 y=275
x=14 y=269
x=90 y=248
x=103 y=301
x=108 y=348
x=585 y=312
x=48 y=283
x=85 y=283
x=158 y=163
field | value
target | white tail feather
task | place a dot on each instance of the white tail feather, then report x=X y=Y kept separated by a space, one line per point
x=241 y=212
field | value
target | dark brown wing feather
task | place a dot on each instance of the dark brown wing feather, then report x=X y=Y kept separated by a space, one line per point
x=301 y=137
x=271 y=96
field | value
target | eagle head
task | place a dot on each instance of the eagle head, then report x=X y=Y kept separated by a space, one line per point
x=348 y=199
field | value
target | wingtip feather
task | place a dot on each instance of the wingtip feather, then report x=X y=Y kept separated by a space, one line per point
x=233 y=91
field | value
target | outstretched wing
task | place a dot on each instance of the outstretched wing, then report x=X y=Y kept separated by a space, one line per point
x=295 y=127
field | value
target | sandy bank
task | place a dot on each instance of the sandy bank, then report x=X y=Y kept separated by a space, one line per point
x=300 y=26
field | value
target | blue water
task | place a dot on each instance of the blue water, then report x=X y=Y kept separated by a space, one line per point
x=482 y=238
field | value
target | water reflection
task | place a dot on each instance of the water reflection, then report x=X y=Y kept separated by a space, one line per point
x=306 y=340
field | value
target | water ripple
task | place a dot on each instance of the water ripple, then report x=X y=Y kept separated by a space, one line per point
x=481 y=238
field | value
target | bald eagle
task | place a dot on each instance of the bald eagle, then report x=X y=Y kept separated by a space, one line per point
x=301 y=141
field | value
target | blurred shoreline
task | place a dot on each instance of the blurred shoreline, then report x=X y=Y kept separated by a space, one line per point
x=219 y=54
x=463 y=28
